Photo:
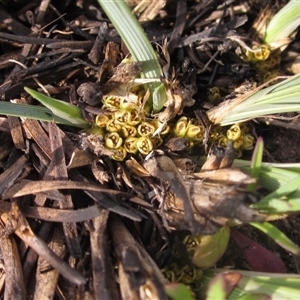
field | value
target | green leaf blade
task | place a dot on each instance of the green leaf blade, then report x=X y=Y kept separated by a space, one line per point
x=66 y=111
x=279 y=237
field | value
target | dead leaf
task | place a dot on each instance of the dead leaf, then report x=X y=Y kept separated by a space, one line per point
x=15 y=222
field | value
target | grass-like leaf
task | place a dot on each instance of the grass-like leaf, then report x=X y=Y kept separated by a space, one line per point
x=256 y=162
x=279 y=237
x=283 y=23
x=256 y=286
x=278 y=98
x=139 y=46
x=283 y=180
x=66 y=111
x=32 y=112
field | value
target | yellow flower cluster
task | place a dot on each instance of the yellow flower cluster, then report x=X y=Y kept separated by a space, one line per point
x=258 y=53
x=189 y=129
x=238 y=133
x=203 y=251
x=186 y=274
x=265 y=61
x=126 y=130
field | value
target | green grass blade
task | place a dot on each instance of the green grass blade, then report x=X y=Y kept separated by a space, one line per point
x=284 y=190
x=256 y=162
x=282 y=180
x=279 y=237
x=139 y=46
x=283 y=23
x=278 y=98
x=31 y=112
x=258 y=285
x=69 y=112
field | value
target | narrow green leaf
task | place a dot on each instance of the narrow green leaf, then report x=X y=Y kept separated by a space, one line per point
x=278 y=206
x=285 y=190
x=256 y=162
x=32 y=112
x=139 y=46
x=63 y=110
x=283 y=23
x=278 y=98
x=279 y=237
x=258 y=285
x=277 y=287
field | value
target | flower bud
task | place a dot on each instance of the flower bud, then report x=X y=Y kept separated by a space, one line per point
x=181 y=127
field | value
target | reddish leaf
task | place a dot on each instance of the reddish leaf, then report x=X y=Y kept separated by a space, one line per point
x=257 y=257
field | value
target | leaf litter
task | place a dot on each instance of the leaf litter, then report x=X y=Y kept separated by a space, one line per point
x=50 y=197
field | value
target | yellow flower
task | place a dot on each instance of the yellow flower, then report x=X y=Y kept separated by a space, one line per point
x=195 y=132
x=101 y=120
x=121 y=116
x=130 y=145
x=165 y=128
x=128 y=130
x=238 y=153
x=181 y=127
x=189 y=274
x=248 y=141
x=128 y=105
x=144 y=145
x=119 y=154
x=222 y=141
x=238 y=143
x=191 y=243
x=214 y=94
x=113 y=140
x=111 y=126
x=261 y=52
x=135 y=117
x=169 y=275
x=111 y=102
x=234 y=132
x=156 y=141
x=145 y=129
